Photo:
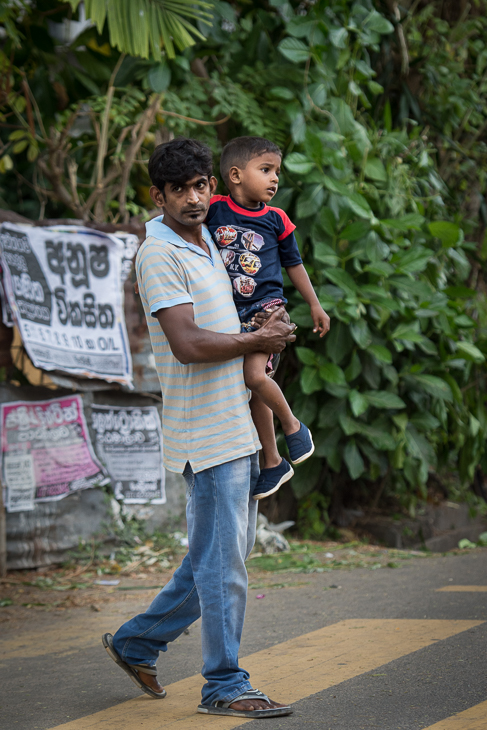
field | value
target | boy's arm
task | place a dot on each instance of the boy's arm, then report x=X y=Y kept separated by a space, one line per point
x=300 y=280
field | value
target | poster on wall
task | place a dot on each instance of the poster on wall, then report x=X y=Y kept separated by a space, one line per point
x=64 y=286
x=46 y=452
x=7 y=316
x=128 y=441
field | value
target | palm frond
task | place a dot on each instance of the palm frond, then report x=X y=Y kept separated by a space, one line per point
x=143 y=27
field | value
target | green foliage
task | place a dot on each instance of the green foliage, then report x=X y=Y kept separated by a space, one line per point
x=140 y=28
x=384 y=176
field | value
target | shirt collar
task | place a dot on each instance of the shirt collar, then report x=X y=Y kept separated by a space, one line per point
x=157 y=228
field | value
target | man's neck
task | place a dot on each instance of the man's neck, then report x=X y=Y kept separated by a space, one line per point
x=192 y=234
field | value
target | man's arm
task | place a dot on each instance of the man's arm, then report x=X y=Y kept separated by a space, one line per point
x=189 y=343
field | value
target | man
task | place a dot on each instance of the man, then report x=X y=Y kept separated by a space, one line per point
x=208 y=436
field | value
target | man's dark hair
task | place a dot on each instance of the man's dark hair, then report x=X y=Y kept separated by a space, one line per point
x=241 y=150
x=178 y=161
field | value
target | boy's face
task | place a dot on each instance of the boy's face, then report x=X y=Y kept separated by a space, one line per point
x=258 y=182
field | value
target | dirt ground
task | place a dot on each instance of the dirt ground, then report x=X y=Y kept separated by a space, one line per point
x=101 y=582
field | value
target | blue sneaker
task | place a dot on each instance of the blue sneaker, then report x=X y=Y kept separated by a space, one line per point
x=271 y=479
x=300 y=445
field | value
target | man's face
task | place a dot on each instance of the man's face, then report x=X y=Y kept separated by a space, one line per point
x=188 y=203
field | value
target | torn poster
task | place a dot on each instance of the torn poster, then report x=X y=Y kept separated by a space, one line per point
x=64 y=286
x=128 y=442
x=46 y=452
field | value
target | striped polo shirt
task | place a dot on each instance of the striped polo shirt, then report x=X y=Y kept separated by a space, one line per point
x=205 y=413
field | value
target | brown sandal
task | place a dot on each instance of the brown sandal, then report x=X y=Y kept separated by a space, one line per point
x=133 y=669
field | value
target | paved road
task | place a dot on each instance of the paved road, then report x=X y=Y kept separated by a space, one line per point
x=396 y=649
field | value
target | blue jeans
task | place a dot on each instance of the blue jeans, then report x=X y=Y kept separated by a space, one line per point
x=211 y=582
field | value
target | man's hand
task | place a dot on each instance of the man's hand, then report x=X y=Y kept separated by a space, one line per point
x=261 y=317
x=321 y=320
x=274 y=334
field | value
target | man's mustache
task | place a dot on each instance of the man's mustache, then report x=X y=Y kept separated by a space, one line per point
x=193 y=210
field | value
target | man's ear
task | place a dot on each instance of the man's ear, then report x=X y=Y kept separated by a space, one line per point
x=213 y=184
x=157 y=197
x=234 y=175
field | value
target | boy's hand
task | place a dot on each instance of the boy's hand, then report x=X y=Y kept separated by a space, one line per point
x=321 y=321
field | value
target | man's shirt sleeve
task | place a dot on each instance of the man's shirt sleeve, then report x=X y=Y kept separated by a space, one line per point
x=161 y=280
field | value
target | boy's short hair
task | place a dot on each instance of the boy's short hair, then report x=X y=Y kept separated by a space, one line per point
x=241 y=150
x=178 y=161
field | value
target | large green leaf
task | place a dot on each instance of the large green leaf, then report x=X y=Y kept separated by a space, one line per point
x=375 y=21
x=142 y=27
x=301 y=316
x=415 y=259
x=358 y=402
x=470 y=352
x=383 y=399
x=342 y=279
x=305 y=478
x=310 y=201
x=294 y=50
x=353 y=460
x=355 y=230
x=306 y=355
x=339 y=342
x=298 y=163
x=412 y=221
x=310 y=380
x=361 y=333
x=436 y=387
x=381 y=353
x=375 y=170
x=332 y=373
x=448 y=233
x=159 y=77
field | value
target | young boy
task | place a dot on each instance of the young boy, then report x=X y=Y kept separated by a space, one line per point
x=255 y=241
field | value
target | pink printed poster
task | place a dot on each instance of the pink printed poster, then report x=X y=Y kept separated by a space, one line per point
x=46 y=451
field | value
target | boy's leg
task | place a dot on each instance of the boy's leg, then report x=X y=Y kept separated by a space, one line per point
x=263 y=419
x=212 y=580
x=268 y=391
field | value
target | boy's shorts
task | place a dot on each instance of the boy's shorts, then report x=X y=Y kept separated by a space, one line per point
x=246 y=312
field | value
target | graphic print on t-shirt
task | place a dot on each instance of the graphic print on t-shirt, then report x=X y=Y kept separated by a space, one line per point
x=227 y=256
x=264 y=233
x=252 y=241
x=236 y=245
x=249 y=262
x=225 y=235
x=245 y=285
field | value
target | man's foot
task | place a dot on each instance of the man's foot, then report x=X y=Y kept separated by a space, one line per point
x=271 y=479
x=252 y=704
x=151 y=682
x=300 y=444
x=142 y=675
x=249 y=705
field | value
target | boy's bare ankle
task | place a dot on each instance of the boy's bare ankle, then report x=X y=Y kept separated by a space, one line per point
x=291 y=427
x=271 y=462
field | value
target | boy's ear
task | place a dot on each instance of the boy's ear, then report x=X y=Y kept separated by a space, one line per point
x=213 y=184
x=157 y=196
x=234 y=175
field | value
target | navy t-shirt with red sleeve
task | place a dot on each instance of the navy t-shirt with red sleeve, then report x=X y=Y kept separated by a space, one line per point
x=254 y=244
